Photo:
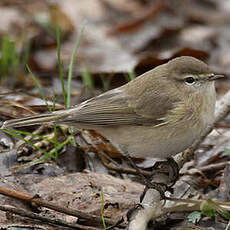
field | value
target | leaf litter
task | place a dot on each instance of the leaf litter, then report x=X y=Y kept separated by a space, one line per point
x=120 y=36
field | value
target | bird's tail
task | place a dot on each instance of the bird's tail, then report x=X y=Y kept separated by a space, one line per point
x=36 y=119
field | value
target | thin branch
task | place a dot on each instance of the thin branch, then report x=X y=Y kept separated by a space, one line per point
x=55 y=222
x=33 y=200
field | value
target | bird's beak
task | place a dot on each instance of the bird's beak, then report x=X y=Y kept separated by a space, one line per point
x=214 y=77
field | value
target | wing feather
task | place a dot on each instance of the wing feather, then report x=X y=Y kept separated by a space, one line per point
x=111 y=108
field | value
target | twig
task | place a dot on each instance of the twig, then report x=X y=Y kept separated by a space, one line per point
x=223 y=125
x=55 y=222
x=37 y=131
x=124 y=170
x=227 y=227
x=206 y=168
x=33 y=200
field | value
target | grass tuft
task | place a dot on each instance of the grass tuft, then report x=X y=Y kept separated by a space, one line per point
x=4 y=63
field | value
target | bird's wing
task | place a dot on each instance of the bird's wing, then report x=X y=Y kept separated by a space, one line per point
x=113 y=108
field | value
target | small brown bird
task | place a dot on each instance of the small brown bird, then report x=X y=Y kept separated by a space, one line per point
x=158 y=114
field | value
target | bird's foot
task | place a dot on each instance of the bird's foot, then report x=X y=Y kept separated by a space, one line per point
x=170 y=167
x=160 y=187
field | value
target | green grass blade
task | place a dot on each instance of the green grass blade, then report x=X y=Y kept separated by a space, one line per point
x=14 y=58
x=56 y=143
x=70 y=73
x=38 y=85
x=5 y=56
x=53 y=152
x=25 y=49
x=106 y=81
x=87 y=79
x=17 y=132
x=102 y=210
x=23 y=139
x=131 y=75
x=60 y=65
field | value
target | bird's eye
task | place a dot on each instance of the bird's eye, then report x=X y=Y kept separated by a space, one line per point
x=189 y=80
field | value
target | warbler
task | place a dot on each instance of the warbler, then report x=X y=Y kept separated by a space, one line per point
x=158 y=114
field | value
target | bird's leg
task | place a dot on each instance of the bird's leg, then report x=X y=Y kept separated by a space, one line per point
x=161 y=188
x=169 y=166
